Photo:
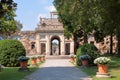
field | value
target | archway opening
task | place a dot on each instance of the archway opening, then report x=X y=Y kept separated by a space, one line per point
x=55 y=45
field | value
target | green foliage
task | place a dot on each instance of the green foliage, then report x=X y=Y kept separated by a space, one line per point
x=90 y=50
x=98 y=16
x=76 y=15
x=12 y=73
x=10 y=50
x=78 y=53
x=6 y=6
x=8 y=24
x=87 y=49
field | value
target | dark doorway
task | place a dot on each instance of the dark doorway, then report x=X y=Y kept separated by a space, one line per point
x=55 y=45
x=67 y=49
x=43 y=48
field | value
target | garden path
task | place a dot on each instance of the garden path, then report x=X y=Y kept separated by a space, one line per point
x=57 y=69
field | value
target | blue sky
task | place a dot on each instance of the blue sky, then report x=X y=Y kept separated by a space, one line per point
x=29 y=11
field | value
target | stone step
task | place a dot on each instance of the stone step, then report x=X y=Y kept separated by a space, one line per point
x=58 y=57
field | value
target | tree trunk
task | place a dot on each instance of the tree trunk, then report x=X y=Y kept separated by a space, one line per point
x=75 y=42
x=118 y=44
x=85 y=38
x=111 y=43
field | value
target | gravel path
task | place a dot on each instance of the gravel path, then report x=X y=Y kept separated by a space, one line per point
x=57 y=69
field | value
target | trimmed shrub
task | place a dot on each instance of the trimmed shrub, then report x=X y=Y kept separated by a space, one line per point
x=10 y=50
x=88 y=49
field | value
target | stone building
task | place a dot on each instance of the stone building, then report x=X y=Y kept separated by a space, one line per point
x=40 y=40
x=50 y=29
x=104 y=46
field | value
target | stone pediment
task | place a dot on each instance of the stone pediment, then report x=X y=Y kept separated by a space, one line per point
x=49 y=24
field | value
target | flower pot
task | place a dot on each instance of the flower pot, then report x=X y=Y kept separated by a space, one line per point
x=43 y=58
x=73 y=59
x=85 y=62
x=39 y=59
x=23 y=64
x=34 y=61
x=102 y=68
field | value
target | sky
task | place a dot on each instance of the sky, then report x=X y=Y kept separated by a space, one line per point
x=29 y=12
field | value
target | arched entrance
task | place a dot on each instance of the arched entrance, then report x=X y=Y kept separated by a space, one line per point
x=55 y=45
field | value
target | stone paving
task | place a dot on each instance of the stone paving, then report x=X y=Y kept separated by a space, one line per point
x=57 y=69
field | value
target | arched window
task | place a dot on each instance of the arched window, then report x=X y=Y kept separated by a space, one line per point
x=32 y=45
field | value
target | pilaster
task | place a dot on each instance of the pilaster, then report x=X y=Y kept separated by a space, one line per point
x=38 y=43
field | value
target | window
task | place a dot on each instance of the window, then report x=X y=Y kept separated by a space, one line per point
x=32 y=45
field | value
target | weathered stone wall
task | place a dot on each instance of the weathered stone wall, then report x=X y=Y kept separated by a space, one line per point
x=104 y=47
x=28 y=39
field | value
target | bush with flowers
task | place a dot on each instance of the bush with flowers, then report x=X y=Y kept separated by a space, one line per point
x=102 y=60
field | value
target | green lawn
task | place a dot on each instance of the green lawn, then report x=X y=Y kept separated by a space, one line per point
x=114 y=70
x=13 y=74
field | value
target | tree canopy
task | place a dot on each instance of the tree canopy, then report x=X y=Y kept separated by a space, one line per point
x=98 y=16
x=7 y=21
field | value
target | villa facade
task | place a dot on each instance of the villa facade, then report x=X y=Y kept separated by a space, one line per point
x=41 y=40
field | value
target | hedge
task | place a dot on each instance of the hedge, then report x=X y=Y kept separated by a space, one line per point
x=10 y=50
x=88 y=49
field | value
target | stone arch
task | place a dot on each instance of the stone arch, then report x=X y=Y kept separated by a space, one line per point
x=55 y=50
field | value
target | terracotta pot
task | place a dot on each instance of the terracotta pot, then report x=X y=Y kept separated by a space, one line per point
x=39 y=59
x=43 y=58
x=73 y=59
x=23 y=64
x=34 y=61
x=102 y=68
x=85 y=62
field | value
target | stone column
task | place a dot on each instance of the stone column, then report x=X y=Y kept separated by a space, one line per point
x=38 y=43
x=72 y=47
x=62 y=45
x=47 y=45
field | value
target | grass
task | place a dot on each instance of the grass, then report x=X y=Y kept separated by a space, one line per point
x=12 y=73
x=114 y=70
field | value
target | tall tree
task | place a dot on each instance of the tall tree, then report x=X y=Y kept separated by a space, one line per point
x=109 y=11
x=7 y=21
x=100 y=16
x=76 y=15
x=65 y=9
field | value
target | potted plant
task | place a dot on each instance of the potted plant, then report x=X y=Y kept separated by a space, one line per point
x=23 y=62
x=73 y=57
x=34 y=60
x=84 y=59
x=39 y=58
x=102 y=63
x=42 y=58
